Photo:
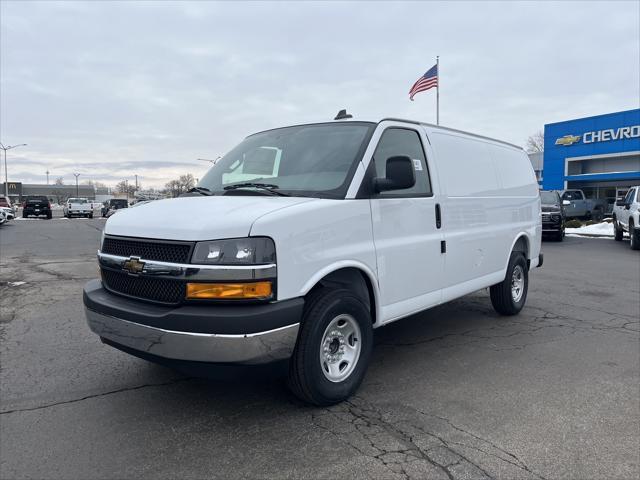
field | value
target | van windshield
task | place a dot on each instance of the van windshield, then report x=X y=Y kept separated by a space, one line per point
x=308 y=160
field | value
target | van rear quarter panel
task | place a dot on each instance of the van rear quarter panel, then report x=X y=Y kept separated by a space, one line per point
x=490 y=199
x=318 y=237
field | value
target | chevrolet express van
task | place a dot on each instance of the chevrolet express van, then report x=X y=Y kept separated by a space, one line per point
x=302 y=240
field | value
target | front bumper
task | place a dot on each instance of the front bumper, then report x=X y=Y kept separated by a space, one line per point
x=195 y=333
x=551 y=224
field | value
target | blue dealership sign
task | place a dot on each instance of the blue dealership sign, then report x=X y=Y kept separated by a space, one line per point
x=610 y=134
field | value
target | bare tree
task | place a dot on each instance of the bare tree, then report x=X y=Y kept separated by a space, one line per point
x=59 y=181
x=181 y=185
x=124 y=187
x=535 y=142
x=93 y=183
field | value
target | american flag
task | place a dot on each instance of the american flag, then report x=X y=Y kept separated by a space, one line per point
x=425 y=82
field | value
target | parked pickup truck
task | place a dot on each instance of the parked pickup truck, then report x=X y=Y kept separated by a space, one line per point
x=78 y=207
x=626 y=213
x=582 y=207
x=36 y=205
x=301 y=240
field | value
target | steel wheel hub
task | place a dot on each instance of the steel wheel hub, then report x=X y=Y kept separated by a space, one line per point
x=517 y=283
x=340 y=348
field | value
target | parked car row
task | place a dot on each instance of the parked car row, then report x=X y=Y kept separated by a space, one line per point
x=40 y=206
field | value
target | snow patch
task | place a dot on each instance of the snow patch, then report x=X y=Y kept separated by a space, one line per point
x=602 y=229
x=16 y=284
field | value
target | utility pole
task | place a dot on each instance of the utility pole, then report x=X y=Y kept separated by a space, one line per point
x=136 y=182
x=47 y=176
x=77 y=190
x=6 y=178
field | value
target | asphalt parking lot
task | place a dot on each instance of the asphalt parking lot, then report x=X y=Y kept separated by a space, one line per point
x=456 y=392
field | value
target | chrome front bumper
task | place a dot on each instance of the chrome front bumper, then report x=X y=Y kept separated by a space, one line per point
x=249 y=349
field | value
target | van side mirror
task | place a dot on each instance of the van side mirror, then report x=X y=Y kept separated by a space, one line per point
x=400 y=175
x=566 y=202
x=620 y=202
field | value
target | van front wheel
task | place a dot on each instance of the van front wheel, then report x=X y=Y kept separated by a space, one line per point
x=509 y=296
x=333 y=349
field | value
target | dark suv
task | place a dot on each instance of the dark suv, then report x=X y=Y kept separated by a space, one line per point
x=553 y=215
x=113 y=204
x=36 y=205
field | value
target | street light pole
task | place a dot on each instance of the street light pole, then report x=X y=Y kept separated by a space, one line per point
x=77 y=175
x=6 y=178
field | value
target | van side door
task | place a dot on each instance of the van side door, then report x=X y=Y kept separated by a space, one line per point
x=406 y=232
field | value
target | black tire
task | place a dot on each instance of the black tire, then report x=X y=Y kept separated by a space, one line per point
x=49 y=215
x=634 y=235
x=618 y=232
x=306 y=378
x=599 y=215
x=91 y=215
x=501 y=297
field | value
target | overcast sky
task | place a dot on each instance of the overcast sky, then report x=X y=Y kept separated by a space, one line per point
x=116 y=89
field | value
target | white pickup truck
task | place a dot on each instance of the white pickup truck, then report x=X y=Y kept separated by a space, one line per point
x=301 y=240
x=78 y=207
x=626 y=213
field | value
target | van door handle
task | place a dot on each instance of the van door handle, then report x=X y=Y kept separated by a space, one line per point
x=438 y=216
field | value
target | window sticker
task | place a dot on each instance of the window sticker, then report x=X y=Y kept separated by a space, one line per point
x=417 y=164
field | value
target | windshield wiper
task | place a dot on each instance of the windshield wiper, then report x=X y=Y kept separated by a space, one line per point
x=200 y=190
x=268 y=187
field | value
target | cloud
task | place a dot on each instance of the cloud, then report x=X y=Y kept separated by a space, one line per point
x=116 y=89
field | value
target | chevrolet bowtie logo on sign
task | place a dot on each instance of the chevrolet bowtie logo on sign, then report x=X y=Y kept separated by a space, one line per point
x=568 y=140
x=133 y=266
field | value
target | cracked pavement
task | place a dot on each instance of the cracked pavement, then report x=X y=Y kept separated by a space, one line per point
x=457 y=392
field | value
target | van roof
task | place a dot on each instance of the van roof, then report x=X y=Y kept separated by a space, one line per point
x=439 y=127
x=415 y=122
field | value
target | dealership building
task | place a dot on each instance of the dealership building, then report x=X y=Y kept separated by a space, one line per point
x=599 y=155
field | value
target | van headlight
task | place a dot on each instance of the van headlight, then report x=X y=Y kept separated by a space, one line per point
x=235 y=251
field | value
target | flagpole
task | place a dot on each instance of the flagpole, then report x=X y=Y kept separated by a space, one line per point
x=438 y=91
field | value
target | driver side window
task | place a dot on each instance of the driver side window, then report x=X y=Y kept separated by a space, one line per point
x=629 y=198
x=402 y=141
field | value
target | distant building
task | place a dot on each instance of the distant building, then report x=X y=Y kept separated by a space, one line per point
x=56 y=193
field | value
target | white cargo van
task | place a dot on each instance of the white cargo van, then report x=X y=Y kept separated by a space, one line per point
x=302 y=240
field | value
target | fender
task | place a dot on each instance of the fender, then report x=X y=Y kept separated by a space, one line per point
x=320 y=274
x=520 y=235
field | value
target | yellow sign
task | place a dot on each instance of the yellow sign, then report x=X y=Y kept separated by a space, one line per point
x=568 y=140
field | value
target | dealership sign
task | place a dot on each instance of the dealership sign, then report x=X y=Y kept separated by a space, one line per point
x=601 y=136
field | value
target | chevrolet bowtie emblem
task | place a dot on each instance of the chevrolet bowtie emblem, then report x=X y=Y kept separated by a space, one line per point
x=568 y=140
x=133 y=265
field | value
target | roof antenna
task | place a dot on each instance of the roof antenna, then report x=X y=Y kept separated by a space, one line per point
x=342 y=114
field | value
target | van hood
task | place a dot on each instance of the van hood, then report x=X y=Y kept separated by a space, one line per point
x=196 y=218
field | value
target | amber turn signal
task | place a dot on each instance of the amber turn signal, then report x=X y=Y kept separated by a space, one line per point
x=231 y=291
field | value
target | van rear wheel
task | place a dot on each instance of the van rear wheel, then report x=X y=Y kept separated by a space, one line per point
x=509 y=296
x=333 y=348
